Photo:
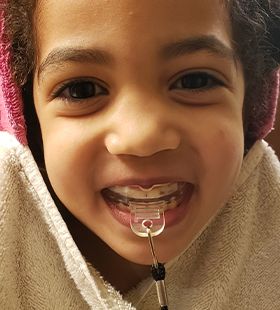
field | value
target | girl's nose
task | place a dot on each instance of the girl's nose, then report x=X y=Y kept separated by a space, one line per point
x=142 y=129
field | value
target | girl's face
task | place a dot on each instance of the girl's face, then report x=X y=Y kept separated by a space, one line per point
x=143 y=92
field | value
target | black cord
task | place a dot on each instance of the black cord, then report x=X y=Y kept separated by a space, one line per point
x=159 y=272
x=164 y=308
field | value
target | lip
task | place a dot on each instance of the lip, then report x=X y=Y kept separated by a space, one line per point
x=172 y=217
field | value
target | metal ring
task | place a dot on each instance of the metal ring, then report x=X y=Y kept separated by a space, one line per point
x=147 y=224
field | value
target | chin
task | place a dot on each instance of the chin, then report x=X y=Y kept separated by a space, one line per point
x=142 y=254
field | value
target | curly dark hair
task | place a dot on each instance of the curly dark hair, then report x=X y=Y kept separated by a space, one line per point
x=256 y=35
x=256 y=40
x=19 y=22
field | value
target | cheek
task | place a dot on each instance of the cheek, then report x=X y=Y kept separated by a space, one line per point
x=66 y=159
x=222 y=157
x=224 y=137
x=227 y=145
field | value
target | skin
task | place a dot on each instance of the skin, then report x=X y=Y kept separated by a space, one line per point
x=142 y=127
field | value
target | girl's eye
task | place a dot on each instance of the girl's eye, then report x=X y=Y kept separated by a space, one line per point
x=79 y=90
x=82 y=90
x=196 y=81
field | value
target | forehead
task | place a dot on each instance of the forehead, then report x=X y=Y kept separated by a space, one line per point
x=128 y=25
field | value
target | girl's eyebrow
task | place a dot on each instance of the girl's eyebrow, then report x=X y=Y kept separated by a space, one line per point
x=74 y=54
x=209 y=44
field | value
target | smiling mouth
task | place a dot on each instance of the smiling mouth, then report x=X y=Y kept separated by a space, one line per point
x=168 y=195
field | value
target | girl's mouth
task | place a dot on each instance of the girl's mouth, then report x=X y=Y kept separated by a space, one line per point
x=171 y=198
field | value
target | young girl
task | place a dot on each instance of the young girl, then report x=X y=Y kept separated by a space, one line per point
x=162 y=100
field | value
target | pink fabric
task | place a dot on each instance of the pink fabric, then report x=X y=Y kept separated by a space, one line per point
x=11 y=105
x=4 y=122
x=272 y=101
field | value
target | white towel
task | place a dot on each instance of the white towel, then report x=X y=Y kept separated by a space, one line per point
x=233 y=264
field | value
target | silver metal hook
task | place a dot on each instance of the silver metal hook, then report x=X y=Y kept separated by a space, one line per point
x=152 y=246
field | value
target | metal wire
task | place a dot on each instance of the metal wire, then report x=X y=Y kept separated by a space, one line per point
x=152 y=246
